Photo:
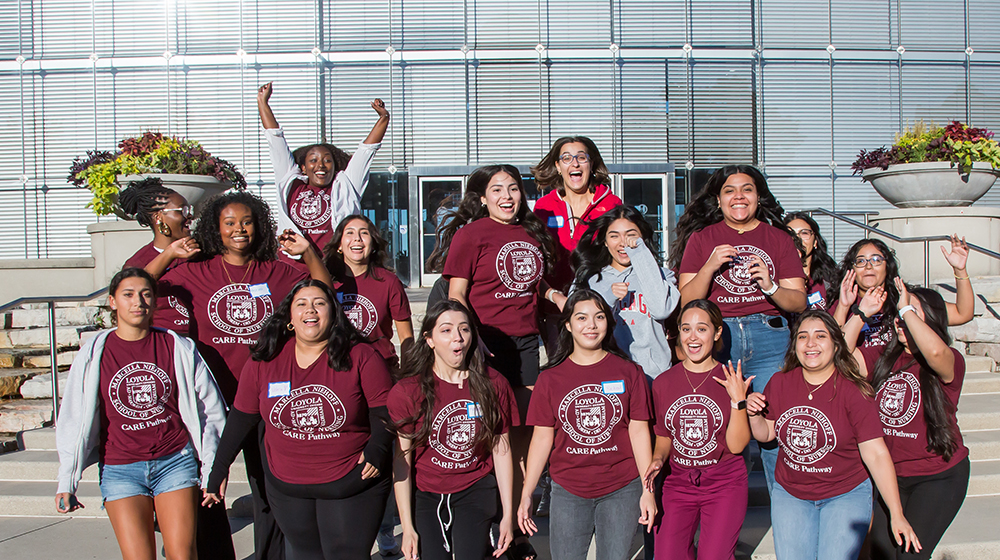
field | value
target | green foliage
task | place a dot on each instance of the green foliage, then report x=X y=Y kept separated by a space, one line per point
x=957 y=143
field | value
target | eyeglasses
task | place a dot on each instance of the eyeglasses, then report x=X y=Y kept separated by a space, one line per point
x=568 y=158
x=804 y=232
x=186 y=211
x=874 y=260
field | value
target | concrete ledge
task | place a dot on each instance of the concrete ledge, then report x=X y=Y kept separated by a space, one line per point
x=83 y=262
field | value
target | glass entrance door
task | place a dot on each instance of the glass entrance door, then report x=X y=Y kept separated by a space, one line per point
x=438 y=196
x=649 y=194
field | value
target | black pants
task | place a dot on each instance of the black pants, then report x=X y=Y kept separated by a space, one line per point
x=930 y=504
x=330 y=529
x=463 y=518
x=268 y=542
x=215 y=538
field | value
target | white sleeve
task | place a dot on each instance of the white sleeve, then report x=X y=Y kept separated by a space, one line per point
x=356 y=175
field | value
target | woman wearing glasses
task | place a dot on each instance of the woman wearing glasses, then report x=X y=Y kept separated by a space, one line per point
x=168 y=215
x=820 y=268
x=870 y=263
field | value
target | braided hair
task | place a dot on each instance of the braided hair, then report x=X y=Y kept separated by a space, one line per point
x=143 y=198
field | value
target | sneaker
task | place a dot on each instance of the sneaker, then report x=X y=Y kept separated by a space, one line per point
x=387 y=543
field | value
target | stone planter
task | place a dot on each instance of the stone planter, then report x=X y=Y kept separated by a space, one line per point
x=196 y=189
x=931 y=184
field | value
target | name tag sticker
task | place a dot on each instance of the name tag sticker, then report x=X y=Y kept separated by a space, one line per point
x=259 y=290
x=557 y=221
x=613 y=387
x=473 y=410
x=279 y=389
x=814 y=298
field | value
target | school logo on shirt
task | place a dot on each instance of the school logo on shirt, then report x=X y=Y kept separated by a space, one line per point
x=360 y=311
x=588 y=415
x=311 y=208
x=234 y=311
x=735 y=276
x=519 y=265
x=805 y=434
x=309 y=412
x=694 y=421
x=899 y=399
x=453 y=431
x=178 y=306
x=140 y=390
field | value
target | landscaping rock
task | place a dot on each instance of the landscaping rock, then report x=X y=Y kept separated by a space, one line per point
x=40 y=386
x=24 y=414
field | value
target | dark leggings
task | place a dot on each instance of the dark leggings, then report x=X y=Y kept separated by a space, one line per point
x=930 y=504
x=328 y=529
x=468 y=515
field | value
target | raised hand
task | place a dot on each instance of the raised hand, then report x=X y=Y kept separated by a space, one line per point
x=721 y=255
x=619 y=290
x=379 y=107
x=735 y=385
x=904 y=294
x=959 y=253
x=264 y=92
x=848 y=289
x=873 y=300
x=293 y=243
x=184 y=248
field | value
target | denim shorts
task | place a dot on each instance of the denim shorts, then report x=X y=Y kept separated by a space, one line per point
x=150 y=478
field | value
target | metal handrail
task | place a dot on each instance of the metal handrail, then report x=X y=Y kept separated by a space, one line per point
x=926 y=240
x=53 y=364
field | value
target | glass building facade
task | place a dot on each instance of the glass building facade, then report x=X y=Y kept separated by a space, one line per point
x=795 y=87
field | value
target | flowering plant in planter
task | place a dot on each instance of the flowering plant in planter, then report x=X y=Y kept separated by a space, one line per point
x=151 y=152
x=960 y=144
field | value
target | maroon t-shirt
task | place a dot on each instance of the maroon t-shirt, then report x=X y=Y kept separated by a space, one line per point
x=310 y=209
x=140 y=420
x=503 y=265
x=816 y=294
x=901 y=410
x=450 y=463
x=315 y=419
x=694 y=418
x=591 y=407
x=732 y=289
x=372 y=305
x=170 y=313
x=871 y=337
x=819 y=456
x=228 y=316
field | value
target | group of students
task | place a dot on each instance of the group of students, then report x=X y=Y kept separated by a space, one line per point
x=276 y=341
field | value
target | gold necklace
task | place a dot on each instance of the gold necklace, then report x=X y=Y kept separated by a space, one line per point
x=230 y=278
x=693 y=388
x=818 y=387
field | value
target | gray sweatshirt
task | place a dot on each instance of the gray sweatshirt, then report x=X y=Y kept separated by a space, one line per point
x=652 y=296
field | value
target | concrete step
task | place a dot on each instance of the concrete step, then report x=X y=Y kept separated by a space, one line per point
x=38 y=498
x=24 y=414
x=66 y=337
x=979 y=364
x=39 y=439
x=981 y=382
x=972 y=535
x=979 y=411
x=985 y=479
x=65 y=316
x=43 y=465
x=983 y=444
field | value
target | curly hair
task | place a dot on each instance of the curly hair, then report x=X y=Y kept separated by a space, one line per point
x=547 y=175
x=340 y=157
x=341 y=338
x=891 y=271
x=823 y=269
x=143 y=198
x=843 y=362
x=704 y=210
x=264 y=243
x=565 y=343
x=471 y=208
x=940 y=429
x=418 y=361
x=591 y=255
x=378 y=260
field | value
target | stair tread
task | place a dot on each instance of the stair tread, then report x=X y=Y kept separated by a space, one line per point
x=43 y=465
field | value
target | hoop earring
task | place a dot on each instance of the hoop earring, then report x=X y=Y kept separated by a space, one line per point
x=290 y=327
x=163 y=228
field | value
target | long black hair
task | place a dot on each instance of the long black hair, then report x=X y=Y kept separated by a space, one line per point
x=342 y=336
x=565 y=343
x=378 y=261
x=891 y=272
x=547 y=176
x=263 y=247
x=823 y=269
x=143 y=198
x=843 y=361
x=937 y=408
x=418 y=361
x=591 y=255
x=472 y=208
x=704 y=210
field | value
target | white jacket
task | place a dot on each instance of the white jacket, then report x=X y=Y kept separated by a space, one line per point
x=78 y=437
x=345 y=192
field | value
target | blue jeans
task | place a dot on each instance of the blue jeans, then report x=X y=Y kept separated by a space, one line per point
x=175 y=471
x=574 y=520
x=830 y=529
x=760 y=342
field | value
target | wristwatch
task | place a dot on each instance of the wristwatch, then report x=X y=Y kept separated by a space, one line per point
x=742 y=405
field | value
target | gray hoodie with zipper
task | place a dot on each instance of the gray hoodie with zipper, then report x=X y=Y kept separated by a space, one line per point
x=652 y=297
